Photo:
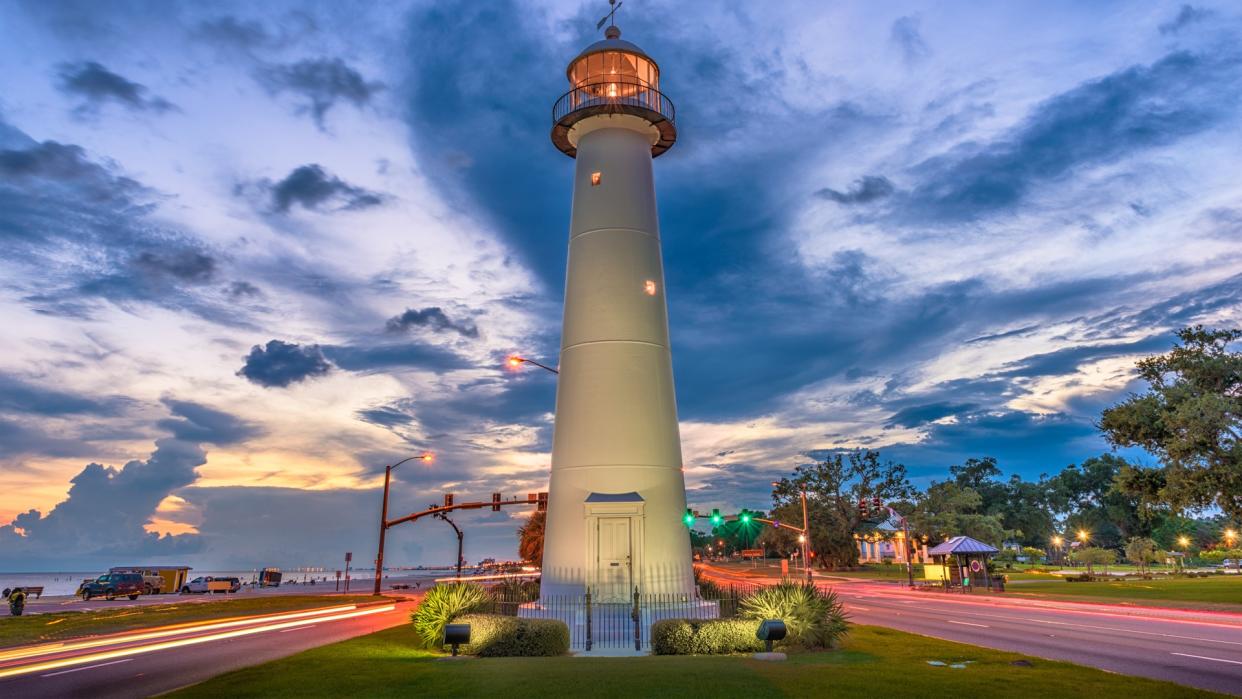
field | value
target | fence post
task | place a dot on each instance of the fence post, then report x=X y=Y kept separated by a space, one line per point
x=588 y=619
x=638 y=635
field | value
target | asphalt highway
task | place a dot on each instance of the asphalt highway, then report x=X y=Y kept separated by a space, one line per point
x=151 y=661
x=1200 y=649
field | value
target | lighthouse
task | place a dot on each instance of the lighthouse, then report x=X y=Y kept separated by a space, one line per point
x=617 y=492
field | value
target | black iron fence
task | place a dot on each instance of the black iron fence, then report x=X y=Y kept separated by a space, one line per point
x=596 y=625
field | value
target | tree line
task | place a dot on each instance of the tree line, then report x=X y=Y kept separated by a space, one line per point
x=1188 y=417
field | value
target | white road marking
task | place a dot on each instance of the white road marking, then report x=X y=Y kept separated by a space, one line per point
x=1204 y=657
x=88 y=667
x=300 y=628
x=967 y=623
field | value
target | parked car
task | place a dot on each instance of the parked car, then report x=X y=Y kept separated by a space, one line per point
x=113 y=585
x=203 y=583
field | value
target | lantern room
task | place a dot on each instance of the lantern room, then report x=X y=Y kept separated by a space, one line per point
x=617 y=80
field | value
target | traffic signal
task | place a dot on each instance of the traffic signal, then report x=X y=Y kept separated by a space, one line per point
x=745 y=517
x=877 y=503
x=495 y=502
x=542 y=506
x=688 y=518
x=448 y=499
x=863 y=513
x=716 y=518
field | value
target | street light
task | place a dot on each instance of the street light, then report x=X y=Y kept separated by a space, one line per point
x=426 y=457
x=806 y=565
x=1083 y=535
x=1183 y=541
x=516 y=361
x=1056 y=544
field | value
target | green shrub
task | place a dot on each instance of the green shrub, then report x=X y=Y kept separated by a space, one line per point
x=441 y=604
x=497 y=635
x=704 y=636
x=813 y=617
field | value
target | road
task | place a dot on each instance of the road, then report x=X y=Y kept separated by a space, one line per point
x=1200 y=649
x=152 y=661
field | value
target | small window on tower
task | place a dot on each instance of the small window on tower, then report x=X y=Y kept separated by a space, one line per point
x=649 y=287
x=595 y=179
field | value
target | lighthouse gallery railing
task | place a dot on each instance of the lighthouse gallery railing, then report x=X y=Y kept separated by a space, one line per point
x=620 y=97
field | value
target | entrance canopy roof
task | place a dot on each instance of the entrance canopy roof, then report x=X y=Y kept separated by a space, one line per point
x=960 y=544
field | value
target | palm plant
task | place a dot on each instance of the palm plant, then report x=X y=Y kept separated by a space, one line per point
x=441 y=605
x=813 y=617
x=530 y=538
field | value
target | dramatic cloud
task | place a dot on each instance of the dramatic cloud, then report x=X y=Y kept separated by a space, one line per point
x=314 y=188
x=186 y=265
x=322 y=82
x=37 y=398
x=371 y=358
x=1186 y=16
x=433 y=318
x=905 y=35
x=236 y=33
x=192 y=422
x=106 y=512
x=97 y=85
x=1099 y=122
x=280 y=364
x=866 y=189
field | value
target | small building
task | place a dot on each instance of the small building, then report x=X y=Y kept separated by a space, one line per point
x=885 y=542
x=960 y=562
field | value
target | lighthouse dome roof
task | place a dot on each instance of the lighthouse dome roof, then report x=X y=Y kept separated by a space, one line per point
x=612 y=41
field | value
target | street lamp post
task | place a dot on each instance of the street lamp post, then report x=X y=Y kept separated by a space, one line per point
x=426 y=457
x=514 y=361
x=1230 y=537
x=1056 y=544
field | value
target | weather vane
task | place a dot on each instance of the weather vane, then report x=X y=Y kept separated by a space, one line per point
x=611 y=17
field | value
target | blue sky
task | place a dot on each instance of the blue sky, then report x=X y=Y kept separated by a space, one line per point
x=250 y=254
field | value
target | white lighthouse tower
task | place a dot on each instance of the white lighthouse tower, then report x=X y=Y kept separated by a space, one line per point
x=617 y=494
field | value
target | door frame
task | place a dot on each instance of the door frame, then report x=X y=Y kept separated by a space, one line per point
x=632 y=510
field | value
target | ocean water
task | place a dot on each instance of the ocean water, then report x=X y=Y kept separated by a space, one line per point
x=66 y=583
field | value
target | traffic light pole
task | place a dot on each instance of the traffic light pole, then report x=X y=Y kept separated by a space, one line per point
x=540 y=500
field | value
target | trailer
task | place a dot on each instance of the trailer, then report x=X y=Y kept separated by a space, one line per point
x=270 y=577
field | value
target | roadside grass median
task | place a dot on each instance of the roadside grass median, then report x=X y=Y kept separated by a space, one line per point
x=872 y=661
x=57 y=626
x=1218 y=592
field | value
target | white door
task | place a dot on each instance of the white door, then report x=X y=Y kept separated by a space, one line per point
x=614 y=559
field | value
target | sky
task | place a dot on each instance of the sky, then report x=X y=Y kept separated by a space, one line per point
x=252 y=252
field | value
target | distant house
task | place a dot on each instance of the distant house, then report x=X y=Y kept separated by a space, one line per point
x=886 y=543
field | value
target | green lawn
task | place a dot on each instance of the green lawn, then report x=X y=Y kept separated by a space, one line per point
x=874 y=661
x=33 y=628
x=1217 y=592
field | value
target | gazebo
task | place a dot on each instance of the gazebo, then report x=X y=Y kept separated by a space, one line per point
x=960 y=560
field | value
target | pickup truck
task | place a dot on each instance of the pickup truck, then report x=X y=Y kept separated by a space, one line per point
x=113 y=585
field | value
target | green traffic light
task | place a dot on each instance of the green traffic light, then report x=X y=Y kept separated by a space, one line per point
x=688 y=518
x=716 y=518
x=745 y=518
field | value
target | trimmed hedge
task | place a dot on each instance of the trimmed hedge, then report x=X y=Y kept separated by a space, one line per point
x=704 y=636
x=499 y=635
